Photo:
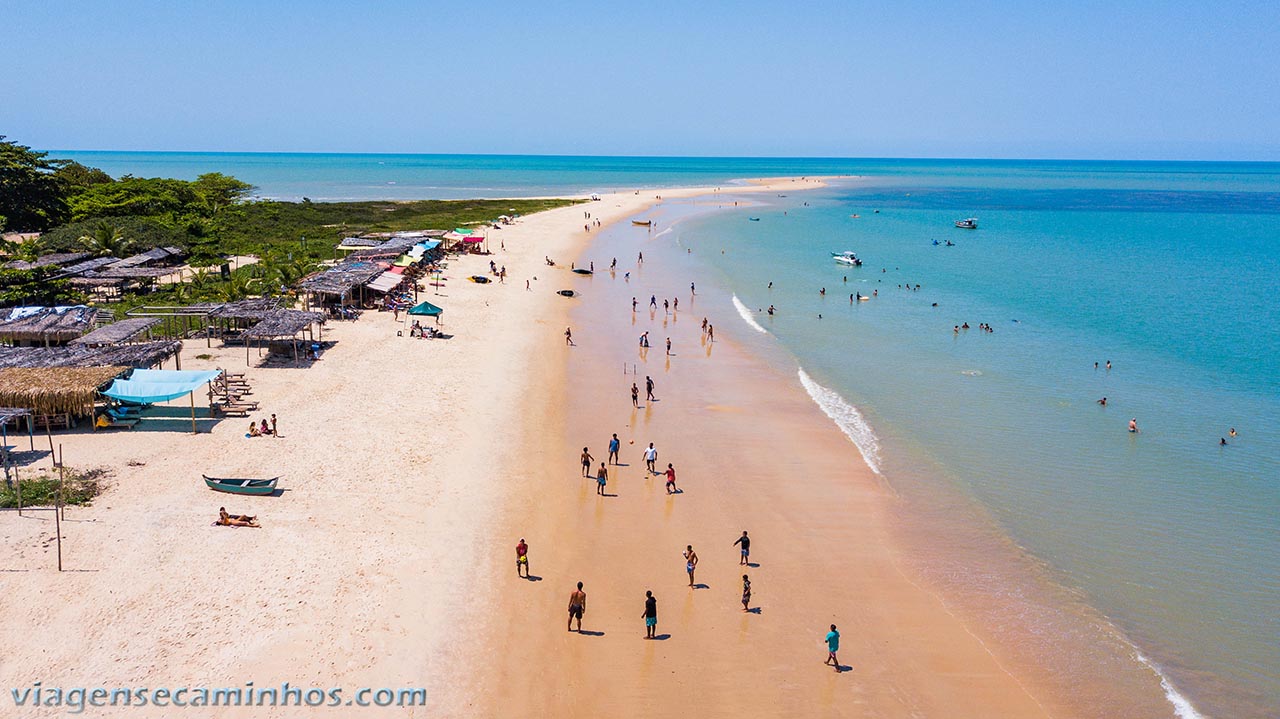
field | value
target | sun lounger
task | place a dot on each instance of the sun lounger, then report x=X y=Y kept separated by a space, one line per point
x=119 y=424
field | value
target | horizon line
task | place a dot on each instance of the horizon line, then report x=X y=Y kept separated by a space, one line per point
x=863 y=158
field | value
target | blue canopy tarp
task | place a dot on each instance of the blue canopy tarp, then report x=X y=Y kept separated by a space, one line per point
x=148 y=386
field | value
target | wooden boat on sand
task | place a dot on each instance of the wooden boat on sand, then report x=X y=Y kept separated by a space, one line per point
x=240 y=485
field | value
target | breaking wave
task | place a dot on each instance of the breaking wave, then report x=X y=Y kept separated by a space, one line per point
x=747 y=316
x=847 y=418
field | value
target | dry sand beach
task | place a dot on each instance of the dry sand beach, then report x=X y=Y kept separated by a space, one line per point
x=411 y=468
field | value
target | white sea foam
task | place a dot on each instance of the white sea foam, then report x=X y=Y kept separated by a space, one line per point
x=1181 y=705
x=747 y=316
x=847 y=418
x=660 y=234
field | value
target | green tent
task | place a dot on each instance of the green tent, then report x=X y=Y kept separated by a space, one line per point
x=427 y=309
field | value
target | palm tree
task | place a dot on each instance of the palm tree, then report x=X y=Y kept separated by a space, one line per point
x=32 y=248
x=106 y=240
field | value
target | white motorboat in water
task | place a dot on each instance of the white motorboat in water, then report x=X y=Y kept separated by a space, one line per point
x=846 y=258
x=970 y=223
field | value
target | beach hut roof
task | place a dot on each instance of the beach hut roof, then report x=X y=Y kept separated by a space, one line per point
x=50 y=324
x=153 y=255
x=139 y=355
x=80 y=268
x=360 y=242
x=54 y=390
x=58 y=258
x=341 y=279
x=117 y=332
x=284 y=323
x=252 y=309
x=385 y=282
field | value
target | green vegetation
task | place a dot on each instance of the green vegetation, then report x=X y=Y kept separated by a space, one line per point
x=33 y=287
x=42 y=489
x=83 y=209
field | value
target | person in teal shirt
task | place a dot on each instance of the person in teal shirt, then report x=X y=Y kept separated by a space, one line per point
x=833 y=646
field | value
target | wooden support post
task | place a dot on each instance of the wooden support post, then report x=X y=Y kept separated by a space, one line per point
x=17 y=488
x=192 y=397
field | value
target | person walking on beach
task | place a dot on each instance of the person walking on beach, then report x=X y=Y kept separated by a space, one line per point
x=648 y=387
x=578 y=607
x=635 y=395
x=522 y=559
x=746 y=593
x=634 y=304
x=711 y=333
x=568 y=336
x=650 y=615
x=586 y=462
x=602 y=478
x=833 y=646
x=675 y=304
x=671 y=479
x=651 y=459
x=690 y=562
x=640 y=259
x=653 y=302
x=692 y=291
x=668 y=346
x=614 y=445
x=745 y=542
x=666 y=306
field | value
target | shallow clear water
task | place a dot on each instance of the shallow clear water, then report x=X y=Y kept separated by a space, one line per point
x=1171 y=536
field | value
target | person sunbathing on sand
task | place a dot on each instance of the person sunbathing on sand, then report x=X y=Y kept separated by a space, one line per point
x=235 y=520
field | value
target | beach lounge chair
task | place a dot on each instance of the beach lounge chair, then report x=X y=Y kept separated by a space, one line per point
x=107 y=422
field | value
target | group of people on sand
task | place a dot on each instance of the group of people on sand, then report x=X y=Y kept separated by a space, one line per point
x=263 y=430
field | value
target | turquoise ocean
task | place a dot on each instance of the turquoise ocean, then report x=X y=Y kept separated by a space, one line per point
x=1169 y=271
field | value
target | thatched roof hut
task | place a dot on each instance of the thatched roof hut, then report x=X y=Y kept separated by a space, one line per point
x=284 y=323
x=118 y=332
x=254 y=309
x=55 y=390
x=60 y=258
x=156 y=254
x=80 y=268
x=341 y=279
x=47 y=325
x=141 y=355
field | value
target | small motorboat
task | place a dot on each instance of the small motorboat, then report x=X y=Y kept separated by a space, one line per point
x=566 y=293
x=241 y=486
x=846 y=258
x=754 y=219
x=642 y=223
x=479 y=279
x=970 y=223
x=583 y=271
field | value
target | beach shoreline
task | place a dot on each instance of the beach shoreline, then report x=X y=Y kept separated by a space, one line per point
x=417 y=465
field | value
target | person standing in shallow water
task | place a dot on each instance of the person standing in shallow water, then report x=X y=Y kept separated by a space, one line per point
x=650 y=615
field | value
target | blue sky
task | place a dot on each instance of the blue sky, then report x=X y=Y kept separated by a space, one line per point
x=1141 y=80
